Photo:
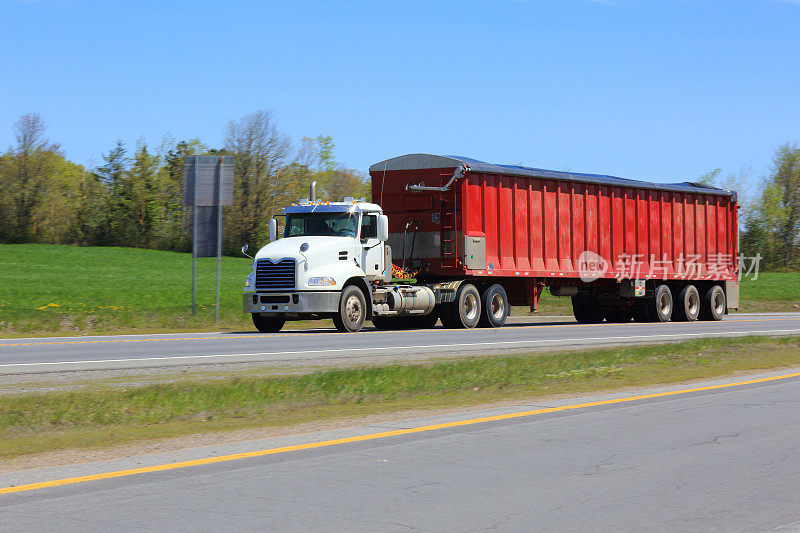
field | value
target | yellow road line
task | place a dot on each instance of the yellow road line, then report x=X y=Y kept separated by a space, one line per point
x=372 y=436
x=282 y=335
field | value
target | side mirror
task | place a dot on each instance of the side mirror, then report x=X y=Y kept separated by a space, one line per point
x=383 y=227
x=273 y=230
x=244 y=251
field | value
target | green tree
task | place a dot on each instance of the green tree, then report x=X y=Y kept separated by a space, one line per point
x=114 y=174
x=337 y=181
x=91 y=217
x=786 y=181
x=772 y=226
x=173 y=231
x=261 y=151
x=27 y=176
x=143 y=194
x=709 y=178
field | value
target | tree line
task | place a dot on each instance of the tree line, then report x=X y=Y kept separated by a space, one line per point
x=771 y=220
x=134 y=198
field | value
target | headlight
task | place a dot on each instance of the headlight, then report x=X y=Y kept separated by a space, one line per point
x=321 y=282
x=248 y=282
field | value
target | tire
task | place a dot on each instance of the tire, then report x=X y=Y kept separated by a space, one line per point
x=714 y=304
x=619 y=314
x=268 y=324
x=465 y=312
x=445 y=315
x=421 y=321
x=687 y=307
x=585 y=311
x=494 y=307
x=352 y=310
x=384 y=323
x=662 y=304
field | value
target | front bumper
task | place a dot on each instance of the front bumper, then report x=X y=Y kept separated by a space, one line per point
x=291 y=302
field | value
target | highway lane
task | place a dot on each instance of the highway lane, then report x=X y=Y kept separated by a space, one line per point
x=725 y=459
x=321 y=346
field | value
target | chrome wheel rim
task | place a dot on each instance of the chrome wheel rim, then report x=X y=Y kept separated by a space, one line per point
x=664 y=304
x=470 y=307
x=353 y=309
x=719 y=303
x=498 y=306
x=693 y=304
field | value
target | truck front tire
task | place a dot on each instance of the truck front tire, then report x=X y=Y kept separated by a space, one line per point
x=267 y=324
x=352 y=310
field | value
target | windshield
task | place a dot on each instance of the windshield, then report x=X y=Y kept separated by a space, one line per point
x=321 y=224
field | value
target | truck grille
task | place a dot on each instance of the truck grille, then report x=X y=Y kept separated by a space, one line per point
x=270 y=275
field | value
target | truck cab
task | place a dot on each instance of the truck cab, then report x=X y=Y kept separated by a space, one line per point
x=324 y=266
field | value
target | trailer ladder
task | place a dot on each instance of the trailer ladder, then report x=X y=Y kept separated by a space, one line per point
x=449 y=230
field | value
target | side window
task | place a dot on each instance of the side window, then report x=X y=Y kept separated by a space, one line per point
x=369 y=227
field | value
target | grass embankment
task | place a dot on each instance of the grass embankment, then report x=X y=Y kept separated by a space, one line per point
x=62 y=289
x=90 y=418
x=50 y=288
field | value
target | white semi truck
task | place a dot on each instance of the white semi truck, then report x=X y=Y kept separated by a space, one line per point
x=479 y=237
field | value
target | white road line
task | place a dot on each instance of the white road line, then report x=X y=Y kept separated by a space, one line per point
x=728 y=318
x=415 y=347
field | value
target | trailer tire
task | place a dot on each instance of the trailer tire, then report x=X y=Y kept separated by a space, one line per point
x=443 y=311
x=619 y=315
x=662 y=305
x=585 y=311
x=352 y=310
x=494 y=306
x=268 y=324
x=714 y=304
x=465 y=312
x=687 y=308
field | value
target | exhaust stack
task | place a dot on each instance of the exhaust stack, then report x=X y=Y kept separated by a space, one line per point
x=313 y=192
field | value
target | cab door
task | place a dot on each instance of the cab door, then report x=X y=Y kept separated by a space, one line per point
x=372 y=256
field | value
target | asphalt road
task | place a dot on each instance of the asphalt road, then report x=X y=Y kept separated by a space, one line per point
x=724 y=459
x=326 y=346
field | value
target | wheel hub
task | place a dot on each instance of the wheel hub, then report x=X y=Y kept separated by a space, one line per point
x=497 y=306
x=353 y=309
x=470 y=307
x=664 y=305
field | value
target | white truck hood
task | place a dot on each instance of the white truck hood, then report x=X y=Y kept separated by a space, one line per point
x=323 y=258
x=289 y=247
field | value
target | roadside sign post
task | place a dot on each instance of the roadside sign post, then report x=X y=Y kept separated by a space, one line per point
x=207 y=187
x=219 y=234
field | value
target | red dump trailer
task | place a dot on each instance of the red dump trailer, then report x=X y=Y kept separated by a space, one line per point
x=621 y=249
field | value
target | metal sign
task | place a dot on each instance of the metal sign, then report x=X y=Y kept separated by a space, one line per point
x=207 y=186
x=201 y=177
x=206 y=231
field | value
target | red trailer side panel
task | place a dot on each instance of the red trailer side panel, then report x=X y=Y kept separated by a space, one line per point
x=519 y=222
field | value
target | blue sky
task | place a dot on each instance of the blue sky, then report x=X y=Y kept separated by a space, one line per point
x=655 y=90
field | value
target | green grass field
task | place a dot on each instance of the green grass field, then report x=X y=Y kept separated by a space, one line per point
x=64 y=288
x=52 y=288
